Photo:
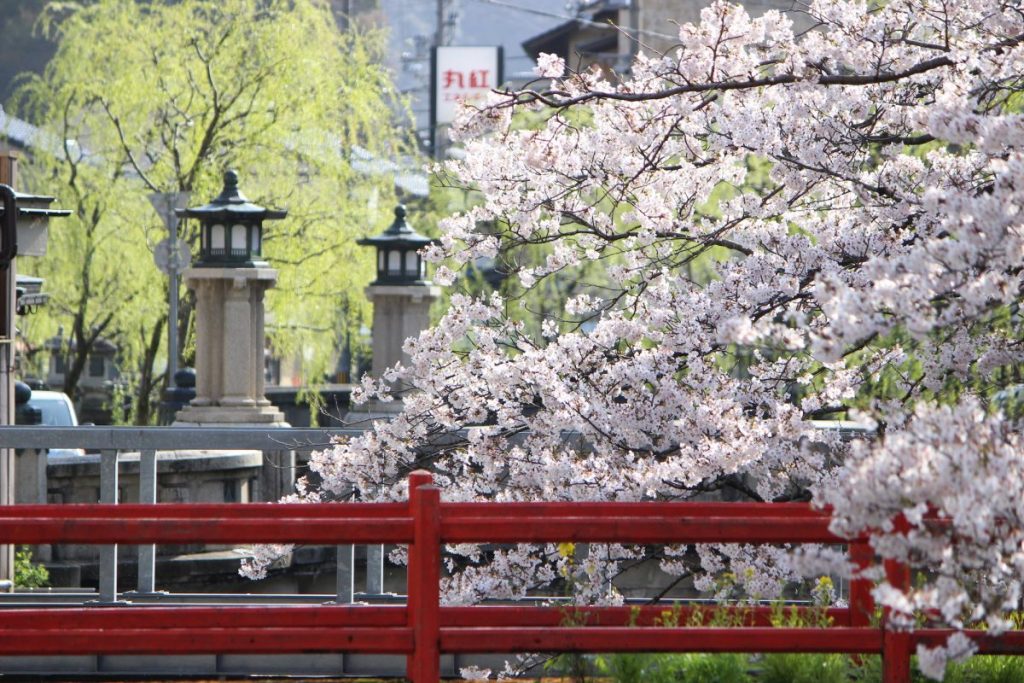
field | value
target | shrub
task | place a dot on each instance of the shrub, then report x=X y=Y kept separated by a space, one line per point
x=27 y=574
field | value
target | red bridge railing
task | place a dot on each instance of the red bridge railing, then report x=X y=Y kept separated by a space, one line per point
x=423 y=629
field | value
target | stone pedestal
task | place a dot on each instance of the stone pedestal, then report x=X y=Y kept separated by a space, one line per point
x=399 y=312
x=229 y=349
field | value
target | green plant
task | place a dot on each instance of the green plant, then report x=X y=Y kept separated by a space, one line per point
x=26 y=573
x=626 y=667
x=866 y=669
x=804 y=668
x=675 y=668
x=572 y=665
x=721 y=668
x=986 y=669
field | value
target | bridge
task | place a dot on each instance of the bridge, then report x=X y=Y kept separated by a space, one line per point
x=418 y=629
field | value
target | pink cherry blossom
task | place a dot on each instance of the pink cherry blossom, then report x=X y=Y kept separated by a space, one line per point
x=761 y=229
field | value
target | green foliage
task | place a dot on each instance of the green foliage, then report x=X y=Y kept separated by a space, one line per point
x=725 y=668
x=675 y=668
x=26 y=573
x=977 y=669
x=986 y=669
x=803 y=668
x=165 y=96
x=789 y=668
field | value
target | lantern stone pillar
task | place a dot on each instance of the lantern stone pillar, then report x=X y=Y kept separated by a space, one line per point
x=399 y=312
x=230 y=279
x=401 y=297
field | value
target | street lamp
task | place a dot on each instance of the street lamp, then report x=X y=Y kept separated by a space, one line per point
x=26 y=219
x=23 y=228
x=231 y=228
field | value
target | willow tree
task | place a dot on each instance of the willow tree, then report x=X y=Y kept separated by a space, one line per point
x=163 y=96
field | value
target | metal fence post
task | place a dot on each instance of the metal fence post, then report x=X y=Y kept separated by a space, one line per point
x=345 y=581
x=424 y=583
x=375 y=569
x=108 y=552
x=147 y=494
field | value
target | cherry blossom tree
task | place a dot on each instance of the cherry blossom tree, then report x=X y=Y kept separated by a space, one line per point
x=873 y=274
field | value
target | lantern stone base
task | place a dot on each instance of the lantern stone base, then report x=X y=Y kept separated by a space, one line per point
x=234 y=416
x=399 y=312
x=230 y=348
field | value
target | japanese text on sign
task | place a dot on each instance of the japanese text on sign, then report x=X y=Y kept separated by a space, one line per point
x=463 y=74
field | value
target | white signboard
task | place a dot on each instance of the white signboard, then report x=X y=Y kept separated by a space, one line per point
x=463 y=74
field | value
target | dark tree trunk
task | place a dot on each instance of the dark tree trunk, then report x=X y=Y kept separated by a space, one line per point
x=148 y=382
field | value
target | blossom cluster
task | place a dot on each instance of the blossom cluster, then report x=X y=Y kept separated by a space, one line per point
x=788 y=227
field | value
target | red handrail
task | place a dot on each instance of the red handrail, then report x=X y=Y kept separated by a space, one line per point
x=423 y=629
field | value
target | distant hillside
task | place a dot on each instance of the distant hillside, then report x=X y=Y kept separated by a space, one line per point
x=20 y=50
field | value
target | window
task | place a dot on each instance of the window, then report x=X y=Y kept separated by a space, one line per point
x=238 y=245
x=217 y=239
x=96 y=368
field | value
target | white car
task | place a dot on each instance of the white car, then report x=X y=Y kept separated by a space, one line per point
x=56 y=410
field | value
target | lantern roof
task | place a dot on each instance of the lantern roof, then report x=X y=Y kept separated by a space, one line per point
x=231 y=205
x=398 y=234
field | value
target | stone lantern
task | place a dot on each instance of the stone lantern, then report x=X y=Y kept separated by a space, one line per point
x=229 y=279
x=401 y=294
x=398 y=259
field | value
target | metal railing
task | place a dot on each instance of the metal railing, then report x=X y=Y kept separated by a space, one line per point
x=148 y=442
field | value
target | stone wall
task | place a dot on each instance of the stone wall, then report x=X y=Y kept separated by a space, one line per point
x=182 y=477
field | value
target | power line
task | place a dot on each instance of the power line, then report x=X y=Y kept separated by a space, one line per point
x=566 y=17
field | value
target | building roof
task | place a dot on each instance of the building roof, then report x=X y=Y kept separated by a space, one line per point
x=18 y=131
x=549 y=40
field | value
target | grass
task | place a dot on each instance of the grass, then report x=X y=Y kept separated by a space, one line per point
x=778 y=668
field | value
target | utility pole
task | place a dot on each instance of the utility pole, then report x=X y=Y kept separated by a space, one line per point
x=439 y=34
x=634 y=30
x=172 y=256
x=446 y=19
x=33 y=209
x=8 y=292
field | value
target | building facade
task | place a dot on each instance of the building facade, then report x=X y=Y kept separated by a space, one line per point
x=609 y=33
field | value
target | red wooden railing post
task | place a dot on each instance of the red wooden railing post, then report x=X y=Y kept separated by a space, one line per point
x=424 y=608
x=862 y=606
x=896 y=644
x=416 y=479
